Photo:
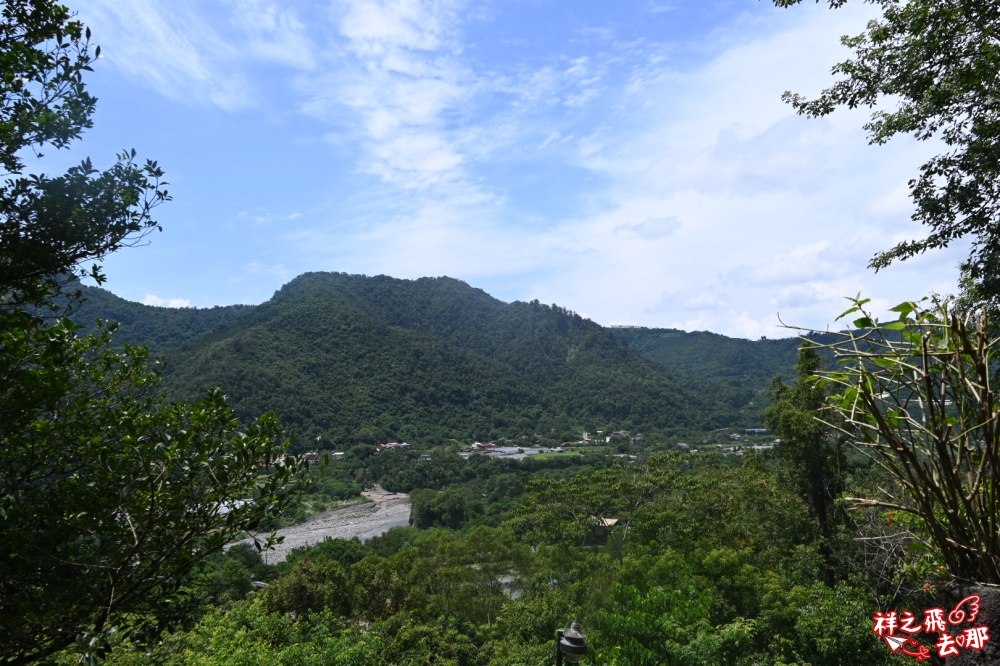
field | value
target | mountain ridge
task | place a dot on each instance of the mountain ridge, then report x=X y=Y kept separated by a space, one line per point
x=344 y=358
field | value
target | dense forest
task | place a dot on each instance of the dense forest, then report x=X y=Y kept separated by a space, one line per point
x=138 y=501
x=348 y=358
x=718 y=565
x=692 y=558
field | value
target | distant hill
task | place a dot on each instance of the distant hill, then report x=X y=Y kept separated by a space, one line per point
x=160 y=328
x=346 y=358
x=737 y=361
x=712 y=355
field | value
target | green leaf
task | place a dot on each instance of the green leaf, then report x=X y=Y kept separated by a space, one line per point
x=849 y=311
x=903 y=309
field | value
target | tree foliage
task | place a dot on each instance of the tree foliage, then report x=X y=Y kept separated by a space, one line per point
x=935 y=62
x=350 y=358
x=719 y=569
x=109 y=497
x=809 y=446
x=915 y=394
x=50 y=226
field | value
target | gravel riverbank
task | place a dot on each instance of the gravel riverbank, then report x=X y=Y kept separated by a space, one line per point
x=364 y=521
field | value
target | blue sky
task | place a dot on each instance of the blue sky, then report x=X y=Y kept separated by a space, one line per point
x=631 y=161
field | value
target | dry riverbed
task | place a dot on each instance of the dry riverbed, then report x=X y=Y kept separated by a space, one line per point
x=378 y=515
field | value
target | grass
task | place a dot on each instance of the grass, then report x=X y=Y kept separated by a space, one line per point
x=551 y=456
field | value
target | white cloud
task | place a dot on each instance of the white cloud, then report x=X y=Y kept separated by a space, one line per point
x=555 y=135
x=179 y=52
x=398 y=79
x=264 y=217
x=152 y=299
x=652 y=228
x=743 y=325
x=894 y=203
x=775 y=208
x=380 y=27
x=423 y=241
x=566 y=176
x=779 y=212
x=691 y=299
x=274 y=33
x=796 y=296
x=169 y=49
x=274 y=270
x=800 y=264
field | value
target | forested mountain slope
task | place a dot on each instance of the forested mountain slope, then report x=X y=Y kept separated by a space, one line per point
x=711 y=354
x=159 y=328
x=345 y=358
x=739 y=362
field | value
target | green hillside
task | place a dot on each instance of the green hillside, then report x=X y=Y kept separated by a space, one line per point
x=347 y=358
x=159 y=328
x=738 y=363
x=712 y=355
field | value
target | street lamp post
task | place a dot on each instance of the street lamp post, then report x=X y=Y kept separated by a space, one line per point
x=570 y=643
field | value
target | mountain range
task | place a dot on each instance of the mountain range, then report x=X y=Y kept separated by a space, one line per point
x=344 y=358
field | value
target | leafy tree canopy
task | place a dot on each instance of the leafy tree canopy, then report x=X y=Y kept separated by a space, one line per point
x=109 y=498
x=936 y=62
x=50 y=226
x=349 y=358
x=915 y=395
